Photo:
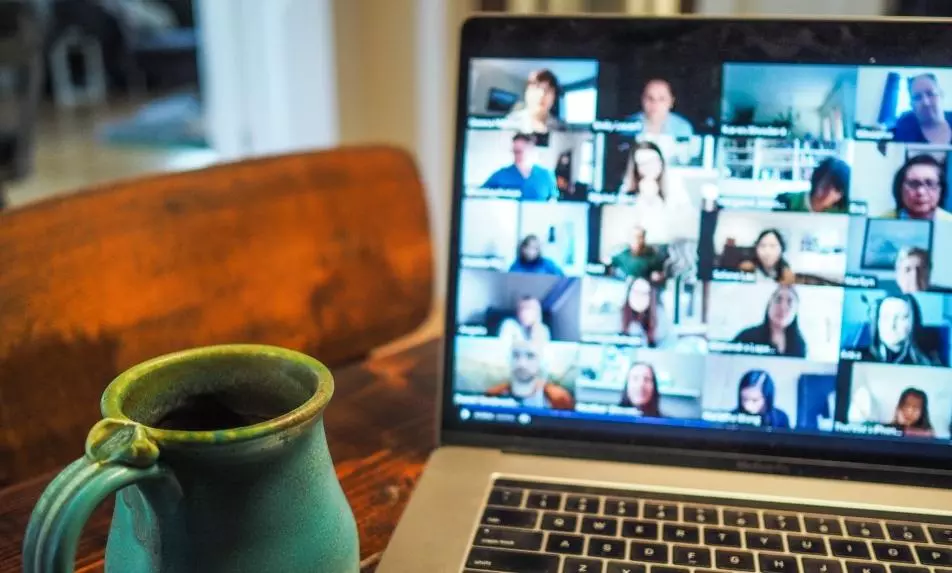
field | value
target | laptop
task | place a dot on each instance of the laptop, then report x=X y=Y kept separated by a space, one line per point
x=700 y=301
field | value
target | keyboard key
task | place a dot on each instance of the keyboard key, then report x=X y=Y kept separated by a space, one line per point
x=508 y=538
x=639 y=529
x=849 y=548
x=692 y=556
x=865 y=529
x=506 y=496
x=854 y=567
x=764 y=541
x=568 y=544
x=893 y=552
x=906 y=532
x=699 y=514
x=806 y=544
x=621 y=507
x=600 y=525
x=741 y=518
x=485 y=559
x=651 y=552
x=662 y=511
x=811 y=565
x=544 y=500
x=668 y=569
x=934 y=555
x=510 y=517
x=681 y=534
x=575 y=565
x=608 y=548
x=778 y=563
x=734 y=560
x=721 y=537
x=941 y=535
x=559 y=522
x=909 y=569
x=823 y=525
x=782 y=522
x=619 y=567
x=582 y=504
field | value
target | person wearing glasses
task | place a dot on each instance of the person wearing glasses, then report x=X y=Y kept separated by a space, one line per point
x=928 y=122
x=919 y=189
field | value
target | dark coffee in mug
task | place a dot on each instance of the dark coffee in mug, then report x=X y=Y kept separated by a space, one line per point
x=210 y=412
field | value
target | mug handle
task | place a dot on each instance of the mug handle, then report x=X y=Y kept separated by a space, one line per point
x=118 y=453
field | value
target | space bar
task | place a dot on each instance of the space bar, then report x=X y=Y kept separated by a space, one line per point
x=511 y=561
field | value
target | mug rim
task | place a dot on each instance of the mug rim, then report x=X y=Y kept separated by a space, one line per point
x=114 y=395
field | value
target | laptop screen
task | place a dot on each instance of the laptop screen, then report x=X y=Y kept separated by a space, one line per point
x=650 y=240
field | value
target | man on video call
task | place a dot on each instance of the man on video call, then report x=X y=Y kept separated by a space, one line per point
x=535 y=183
x=928 y=122
x=639 y=260
x=527 y=381
x=657 y=101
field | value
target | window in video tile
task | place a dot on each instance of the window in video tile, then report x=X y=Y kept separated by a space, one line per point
x=518 y=306
x=895 y=328
x=904 y=181
x=898 y=255
x=904 y=104
x=532 y=96
x=889 y=400
x=770 y=319
x=796 y=101
x=515 y=374
x=489 y=233
x=509 y=164
x=774 y=247
x=643 y=382
x=770 y=393
x=788 y=175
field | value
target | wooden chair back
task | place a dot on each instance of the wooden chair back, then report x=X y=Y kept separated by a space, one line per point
x=327 y=252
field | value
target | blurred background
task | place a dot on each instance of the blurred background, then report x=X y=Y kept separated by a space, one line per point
x=97 y=90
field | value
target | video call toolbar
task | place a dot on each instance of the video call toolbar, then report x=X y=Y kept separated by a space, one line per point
x=763 y=255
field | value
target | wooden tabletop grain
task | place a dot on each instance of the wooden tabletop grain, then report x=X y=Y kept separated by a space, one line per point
x=380 y=427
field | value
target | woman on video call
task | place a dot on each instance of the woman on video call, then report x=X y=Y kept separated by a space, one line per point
x=913 y=269
x=912 y=414
x=829 y=190
x=527 y=326
x=535 y=113
x=780 y=329
x=896 y=328
x=755 y=397
x=643 y=316
x=769 y=263
x=662 y=205
x=641 y=390
x=919 y=190
x=529 y=259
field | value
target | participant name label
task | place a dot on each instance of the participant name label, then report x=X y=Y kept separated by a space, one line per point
x=495 y=263
x=479 y=192
x=740 y=348
x=758 y=203
x=866 y=429
x=874 y=134
x=861 y=281
x=472 y=330
x=755 y=130
x=731 y=418
x=733 y=276
x=618 y=126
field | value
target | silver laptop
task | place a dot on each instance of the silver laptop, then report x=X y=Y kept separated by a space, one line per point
x=699 y=302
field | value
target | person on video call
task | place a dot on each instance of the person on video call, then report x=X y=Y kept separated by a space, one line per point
x=528 y=383
x=912 y=414
x=656 y=115
x=529 y=259
x=896 y=328
x=755 y=397
x=829 y=190
x=639 y=260
x=662 y=205
x=527 y=325
x=534 y=114
x=928 y=122
x=919 y=188
x=769 y=263
x=913 y=269
x=780 y=328
x=535 y=183
x=642 y=315
x=641 y=390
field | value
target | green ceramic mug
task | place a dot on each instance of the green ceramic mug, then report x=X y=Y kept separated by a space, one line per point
x=221 y=464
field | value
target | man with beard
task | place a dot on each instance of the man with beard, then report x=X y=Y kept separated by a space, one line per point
x=528 y=383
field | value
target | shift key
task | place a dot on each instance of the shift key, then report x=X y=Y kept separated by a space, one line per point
x=510 y=517
x=503 y=561
x=508 y=538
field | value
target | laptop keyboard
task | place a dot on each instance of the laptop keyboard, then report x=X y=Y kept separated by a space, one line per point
x=529 y=527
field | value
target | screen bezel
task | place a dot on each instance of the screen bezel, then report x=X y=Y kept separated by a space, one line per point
x=831 y=455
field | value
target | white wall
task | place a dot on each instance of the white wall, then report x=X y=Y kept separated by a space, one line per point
x=490 y=228
x=873 y=174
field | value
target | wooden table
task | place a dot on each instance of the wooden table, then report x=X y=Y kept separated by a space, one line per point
x=380 y=427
